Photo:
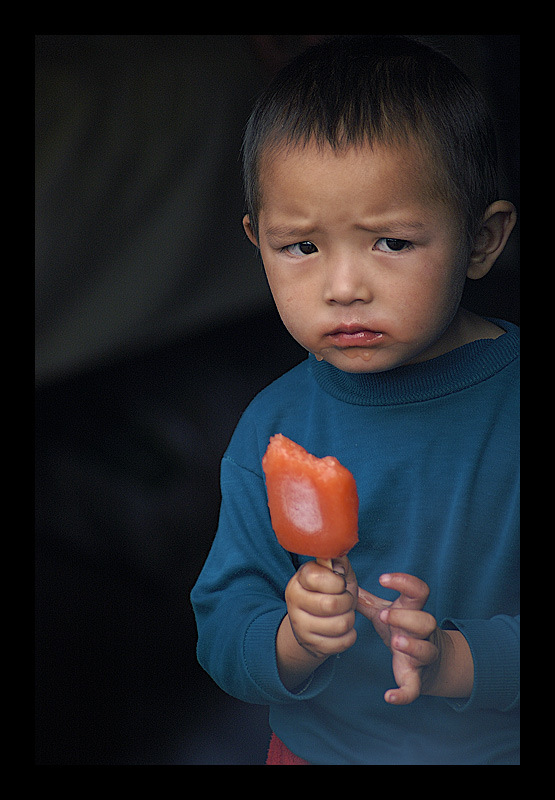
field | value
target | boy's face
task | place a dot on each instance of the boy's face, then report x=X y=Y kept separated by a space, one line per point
x=364 y=262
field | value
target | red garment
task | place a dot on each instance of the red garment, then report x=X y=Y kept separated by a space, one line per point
x=278 y=753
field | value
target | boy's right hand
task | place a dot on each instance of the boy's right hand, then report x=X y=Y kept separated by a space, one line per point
x=319 y=621
x=321 y=607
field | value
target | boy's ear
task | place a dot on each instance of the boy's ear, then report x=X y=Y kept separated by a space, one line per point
x=498 y=222
x=249 y=231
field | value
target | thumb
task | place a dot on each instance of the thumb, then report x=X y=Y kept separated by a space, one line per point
x=342 y=566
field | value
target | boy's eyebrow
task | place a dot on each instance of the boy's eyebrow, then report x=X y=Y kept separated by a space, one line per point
x=387 y=227
x=285 y=232
x=393 y=226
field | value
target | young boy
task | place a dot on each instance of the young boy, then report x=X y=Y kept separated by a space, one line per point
x=371 y=186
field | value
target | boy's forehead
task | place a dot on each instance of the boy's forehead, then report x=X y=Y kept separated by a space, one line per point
x=406 y=169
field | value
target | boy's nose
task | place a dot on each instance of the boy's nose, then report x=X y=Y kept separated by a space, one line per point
x=347 y=282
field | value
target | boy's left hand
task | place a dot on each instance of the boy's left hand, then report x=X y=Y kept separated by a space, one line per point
x=411 y=634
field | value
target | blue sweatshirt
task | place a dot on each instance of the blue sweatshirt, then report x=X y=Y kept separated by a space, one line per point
x=434 y=449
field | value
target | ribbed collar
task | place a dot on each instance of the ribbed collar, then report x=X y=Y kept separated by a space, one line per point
x=459 y=369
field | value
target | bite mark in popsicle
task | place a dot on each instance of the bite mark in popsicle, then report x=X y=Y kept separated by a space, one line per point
x=313 y=501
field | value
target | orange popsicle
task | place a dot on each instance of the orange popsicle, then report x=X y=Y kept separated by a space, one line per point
x=313 y=501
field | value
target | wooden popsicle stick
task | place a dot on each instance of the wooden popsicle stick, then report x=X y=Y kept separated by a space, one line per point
x=325 y=562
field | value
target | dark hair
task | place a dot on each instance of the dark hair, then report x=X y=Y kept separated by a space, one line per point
x=351 y=90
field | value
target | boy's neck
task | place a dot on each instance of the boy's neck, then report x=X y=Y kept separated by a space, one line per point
x=466 y=327
x=473 y=327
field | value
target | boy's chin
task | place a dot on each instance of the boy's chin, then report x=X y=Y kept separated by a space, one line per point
x=354 y=360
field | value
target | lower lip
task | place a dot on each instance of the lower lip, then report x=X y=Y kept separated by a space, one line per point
x=357 y=339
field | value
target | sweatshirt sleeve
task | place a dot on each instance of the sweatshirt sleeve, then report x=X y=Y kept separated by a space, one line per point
x=495 y=648
x=238 y=598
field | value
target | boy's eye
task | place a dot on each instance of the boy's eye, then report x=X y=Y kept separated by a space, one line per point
x=301 y=249
x=392 y=245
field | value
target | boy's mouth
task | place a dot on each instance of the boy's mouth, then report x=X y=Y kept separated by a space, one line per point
x=353 y=336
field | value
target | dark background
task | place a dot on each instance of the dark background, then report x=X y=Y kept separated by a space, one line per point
x=154 y=329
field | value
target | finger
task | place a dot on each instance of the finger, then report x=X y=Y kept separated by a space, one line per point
x=405 y=694
x=316 y=578
x=370 y=600
x=324 y=635
x=331 y=605
x=340 y=566
x=421 y=650
x=324 y=645
x=318 y=604
x=417 y=624
x=351 y=582
x=413 y=591
x=369 y=605
x=409 y=684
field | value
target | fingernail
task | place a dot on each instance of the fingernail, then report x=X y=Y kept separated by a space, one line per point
x=385 y=578
x=339 y=570
x=384 y=615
